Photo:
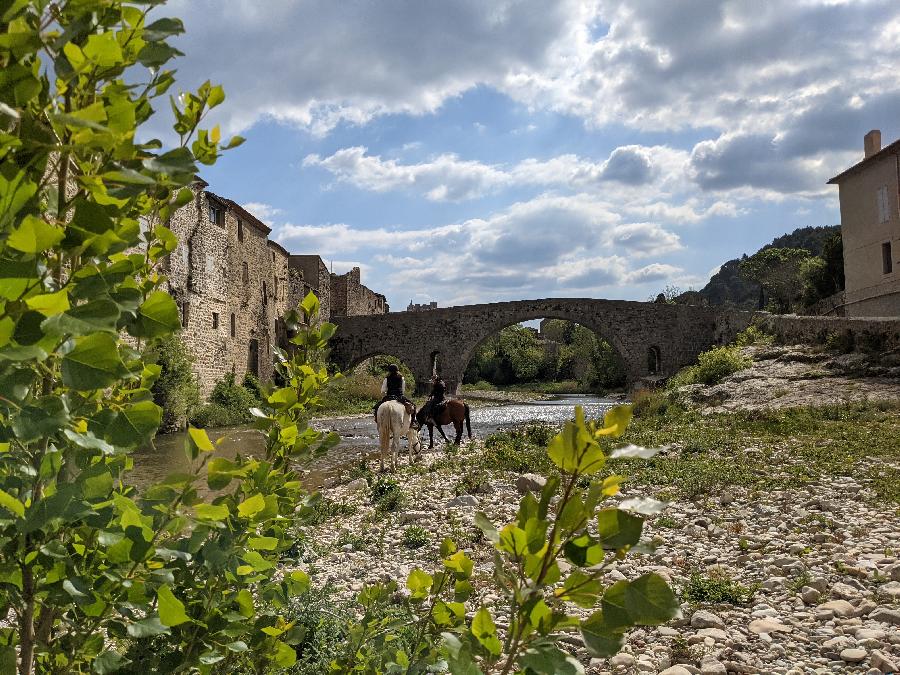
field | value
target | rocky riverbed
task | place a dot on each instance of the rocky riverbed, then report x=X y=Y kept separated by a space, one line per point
x=808 y=573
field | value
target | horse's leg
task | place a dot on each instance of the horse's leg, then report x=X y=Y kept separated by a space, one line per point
x=443 y=435
x=382 y=445
x=430 y=435
x=458 y=426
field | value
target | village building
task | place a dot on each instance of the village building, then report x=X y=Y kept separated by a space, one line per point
x=421 y=307
x=870 y=228
x=233 y=285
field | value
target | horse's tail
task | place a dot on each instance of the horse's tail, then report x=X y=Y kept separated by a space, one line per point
x=468 y=422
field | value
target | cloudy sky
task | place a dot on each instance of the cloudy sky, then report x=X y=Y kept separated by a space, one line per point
x=472 y=151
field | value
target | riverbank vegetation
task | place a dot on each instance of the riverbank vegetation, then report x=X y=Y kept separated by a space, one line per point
x=564 y=357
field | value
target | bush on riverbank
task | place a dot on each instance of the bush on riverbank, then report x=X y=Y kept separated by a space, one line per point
x=229 y=404
x=176 y=390
x=712 y=367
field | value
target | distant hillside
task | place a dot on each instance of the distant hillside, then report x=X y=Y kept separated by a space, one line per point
x=728 y=287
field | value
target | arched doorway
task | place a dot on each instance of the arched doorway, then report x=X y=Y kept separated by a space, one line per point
x=654 y=361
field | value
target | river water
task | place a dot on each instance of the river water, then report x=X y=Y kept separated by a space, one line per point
x=359 y=437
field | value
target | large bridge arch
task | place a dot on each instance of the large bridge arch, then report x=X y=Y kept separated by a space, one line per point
x=674 y=334
x=456 y=366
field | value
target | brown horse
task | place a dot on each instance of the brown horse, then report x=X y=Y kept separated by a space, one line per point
x=455 y=412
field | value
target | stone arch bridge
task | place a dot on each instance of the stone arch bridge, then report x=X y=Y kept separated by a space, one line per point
x=652 y=339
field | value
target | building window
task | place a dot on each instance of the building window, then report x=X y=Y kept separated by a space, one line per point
x=887 y=262
x=273 y=256
x=215 y=319
x=216 y=215
x=275 y=287
x=233 y=325
x=884 y=204
x=245 y=272
x=185 y=313
x=654 y=361
x=265 y=294
x=240 y=230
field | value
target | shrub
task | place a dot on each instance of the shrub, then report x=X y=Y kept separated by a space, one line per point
x=717 y=587
x=753 y=335
x=323 y=509
x=473 y=480
x=229 y=404
x=842 y=342
x=175 y=390
x=649 y=402
x=387 y=495
x=712 y=367
x=415 y=536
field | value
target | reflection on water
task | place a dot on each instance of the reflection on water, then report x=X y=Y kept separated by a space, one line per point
x=359 y=437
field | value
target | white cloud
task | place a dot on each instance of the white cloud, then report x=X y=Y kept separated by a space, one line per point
x=265 y=212
x=549 y=244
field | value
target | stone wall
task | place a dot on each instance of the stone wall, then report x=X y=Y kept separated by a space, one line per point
x=314 y=274
x=864 y=333
x=350 y=298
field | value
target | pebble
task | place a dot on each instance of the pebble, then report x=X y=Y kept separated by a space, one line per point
x=768 y=626
x=530 y=482
x=704 y=619
x=853 y=655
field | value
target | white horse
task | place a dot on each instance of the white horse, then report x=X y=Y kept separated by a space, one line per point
x=393 y=422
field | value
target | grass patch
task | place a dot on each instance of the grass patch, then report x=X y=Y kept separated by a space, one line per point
x=716 y=587
x=351 y=395
x=520 y=451
x=788 y=448
x=325 y=509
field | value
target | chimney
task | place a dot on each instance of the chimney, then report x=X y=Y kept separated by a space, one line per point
x=872 y=142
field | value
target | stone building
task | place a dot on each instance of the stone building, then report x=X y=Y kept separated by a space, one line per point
x=350 y=298
x=423 y=307
x=233 y=284
x=870 y=227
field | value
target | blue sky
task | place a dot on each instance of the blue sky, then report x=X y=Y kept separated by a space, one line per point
x=466 y=151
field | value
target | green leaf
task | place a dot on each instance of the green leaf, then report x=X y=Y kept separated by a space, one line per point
x=487 y=527
x=214 y=512
x=310 y=306
x=94 y=363
x=419 y=583
x=147 y=628
x=109 y=662
x=17 y=276
x=574 y=450
x=34 y=235
x=171 y=609
x=616 y=421
x=601 y=639
x=262 y=543
x=200 y=439
x=252 y=505
x=584 y=551
x=157 y=316
x=11 y=504
x=285 y=655
x=98 y=315
x=648 y=600
x=49 y=304
x=484 y=630
x=618 y=528
x=103 y=50
x=135 y=424
x=546 y=659
x=44 y=418
x=161 y=29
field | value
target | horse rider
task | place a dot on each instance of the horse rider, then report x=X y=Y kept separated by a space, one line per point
x=435 y=403
x=393 y=388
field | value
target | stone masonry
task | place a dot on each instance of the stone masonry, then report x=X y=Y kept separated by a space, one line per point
x=645 y=334
x=233 y=285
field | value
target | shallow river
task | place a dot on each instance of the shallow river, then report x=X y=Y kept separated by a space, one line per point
x=358 y=437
